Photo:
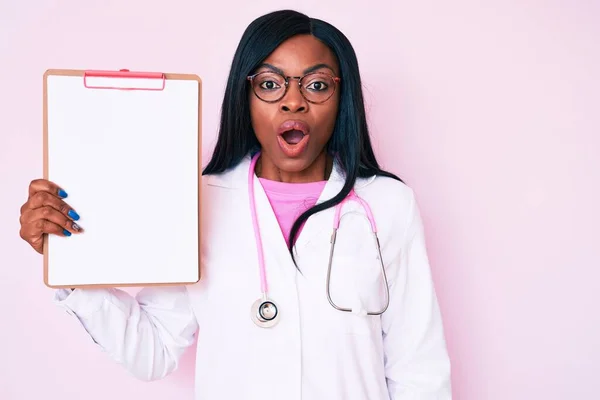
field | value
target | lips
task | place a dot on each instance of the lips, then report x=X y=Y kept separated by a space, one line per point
x=293 y=131
x=293 y=137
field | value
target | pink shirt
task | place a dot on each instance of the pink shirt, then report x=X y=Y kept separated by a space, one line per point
x=289 y=200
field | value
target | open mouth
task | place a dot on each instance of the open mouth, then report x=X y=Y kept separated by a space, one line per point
x=293 y=136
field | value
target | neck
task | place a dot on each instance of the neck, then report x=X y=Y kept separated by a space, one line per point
x=319 y=170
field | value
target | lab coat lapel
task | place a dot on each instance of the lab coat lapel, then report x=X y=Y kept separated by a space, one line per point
x=277 y=258
x=323 y=220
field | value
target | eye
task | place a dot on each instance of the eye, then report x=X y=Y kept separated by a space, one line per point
x=269 y=85
x=317 y=86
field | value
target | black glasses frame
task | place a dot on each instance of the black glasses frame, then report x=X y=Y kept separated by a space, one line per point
x=287 y=79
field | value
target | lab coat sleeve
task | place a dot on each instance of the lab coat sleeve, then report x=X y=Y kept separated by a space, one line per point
x=147 y=333
x=416 y=360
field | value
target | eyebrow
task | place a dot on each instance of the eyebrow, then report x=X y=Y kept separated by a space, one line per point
x=318 y=66
x=306 y=71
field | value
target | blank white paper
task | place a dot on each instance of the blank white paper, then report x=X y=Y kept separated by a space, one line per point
x=128 y=160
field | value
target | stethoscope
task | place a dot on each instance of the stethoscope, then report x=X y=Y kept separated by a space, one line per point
x=264 y=311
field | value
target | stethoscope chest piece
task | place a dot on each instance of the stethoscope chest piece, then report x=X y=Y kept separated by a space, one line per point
x=264 y=313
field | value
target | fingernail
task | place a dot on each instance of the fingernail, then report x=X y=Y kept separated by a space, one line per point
x=76 y=227
x=66 y=232
x=62 y=193
x=73 y=215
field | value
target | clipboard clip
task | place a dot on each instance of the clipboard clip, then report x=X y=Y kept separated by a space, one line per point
x=98 y=79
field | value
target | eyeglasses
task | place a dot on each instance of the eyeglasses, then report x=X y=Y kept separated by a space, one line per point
x=316 y=87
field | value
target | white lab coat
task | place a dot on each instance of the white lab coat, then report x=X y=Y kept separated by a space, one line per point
x=315 y=352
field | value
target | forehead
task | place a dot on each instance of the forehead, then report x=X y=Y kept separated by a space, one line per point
x=301 y=52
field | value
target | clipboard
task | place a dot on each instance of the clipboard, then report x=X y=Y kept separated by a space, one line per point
x=126 y=147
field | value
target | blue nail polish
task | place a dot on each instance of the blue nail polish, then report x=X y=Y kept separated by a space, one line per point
x=66 y=232
x=73 y=215
x=62 y=193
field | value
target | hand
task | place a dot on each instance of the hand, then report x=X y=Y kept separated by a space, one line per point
x=46 y=213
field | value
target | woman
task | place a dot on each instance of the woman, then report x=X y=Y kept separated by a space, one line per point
x=293 y=143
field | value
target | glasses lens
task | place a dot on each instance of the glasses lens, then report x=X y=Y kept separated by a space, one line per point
x=268 y=86
x=318 y=87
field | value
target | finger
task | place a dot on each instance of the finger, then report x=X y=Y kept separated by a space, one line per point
x=44 y=185
x=45 y=199
x=50 y=214
x=34 y=232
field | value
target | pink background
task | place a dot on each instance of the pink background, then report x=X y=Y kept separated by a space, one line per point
x=490 y=112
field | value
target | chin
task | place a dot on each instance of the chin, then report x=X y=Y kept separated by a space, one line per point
x=296 y=164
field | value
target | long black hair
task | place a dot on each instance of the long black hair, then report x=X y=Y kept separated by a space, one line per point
x=350 y=141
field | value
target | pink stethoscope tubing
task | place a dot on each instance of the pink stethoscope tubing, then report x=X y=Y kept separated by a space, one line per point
x=352 y=196
x=264 y=286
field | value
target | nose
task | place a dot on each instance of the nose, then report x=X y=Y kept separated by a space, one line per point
x=293 y=101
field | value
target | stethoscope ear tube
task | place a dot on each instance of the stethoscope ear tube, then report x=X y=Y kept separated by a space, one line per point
x=382 y=266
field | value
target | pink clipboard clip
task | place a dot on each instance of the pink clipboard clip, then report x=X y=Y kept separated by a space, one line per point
x=125 y=74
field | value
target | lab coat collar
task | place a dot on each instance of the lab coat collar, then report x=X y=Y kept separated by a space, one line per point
x=238 y=177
